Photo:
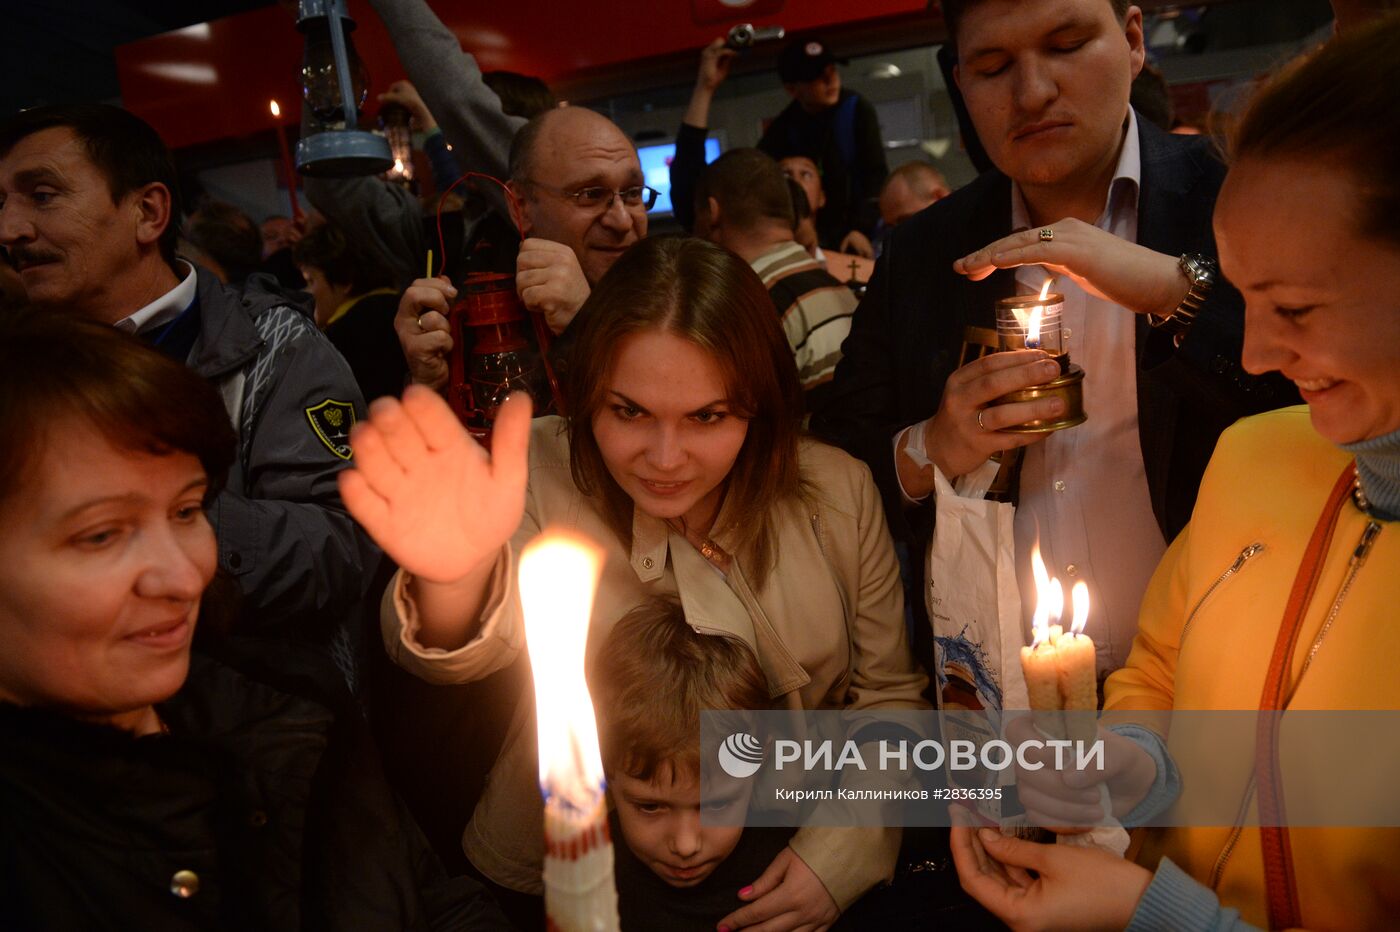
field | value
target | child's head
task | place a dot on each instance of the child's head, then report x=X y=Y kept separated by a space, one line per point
x=652 y=678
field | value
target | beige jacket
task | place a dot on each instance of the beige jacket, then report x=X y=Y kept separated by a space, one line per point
x=828 y=629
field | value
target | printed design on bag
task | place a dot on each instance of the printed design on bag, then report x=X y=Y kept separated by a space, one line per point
x=332 y=420
x=965 y=679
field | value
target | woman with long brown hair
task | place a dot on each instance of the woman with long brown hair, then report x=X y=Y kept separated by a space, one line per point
x=682 y=457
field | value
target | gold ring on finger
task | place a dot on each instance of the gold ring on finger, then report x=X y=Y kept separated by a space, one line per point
x=980 y=412
x=1047 y=235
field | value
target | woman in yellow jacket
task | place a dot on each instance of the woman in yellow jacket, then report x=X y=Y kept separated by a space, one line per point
x=1281 y=593
x=681 y=457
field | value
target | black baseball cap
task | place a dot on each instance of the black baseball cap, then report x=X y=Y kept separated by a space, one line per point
x=805 y=60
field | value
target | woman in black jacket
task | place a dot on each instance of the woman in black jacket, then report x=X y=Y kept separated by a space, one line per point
x=142 y=785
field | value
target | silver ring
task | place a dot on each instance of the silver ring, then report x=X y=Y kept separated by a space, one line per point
x=980 y=412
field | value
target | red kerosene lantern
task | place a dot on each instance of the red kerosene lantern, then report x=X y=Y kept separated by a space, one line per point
x=497 y=358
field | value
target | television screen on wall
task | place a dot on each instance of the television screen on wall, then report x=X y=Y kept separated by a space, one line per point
x=656 y=169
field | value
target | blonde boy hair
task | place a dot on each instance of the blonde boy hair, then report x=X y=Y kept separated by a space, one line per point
x=653 y=677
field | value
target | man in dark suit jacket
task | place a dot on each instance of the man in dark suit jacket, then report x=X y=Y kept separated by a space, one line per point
x=1047 y=87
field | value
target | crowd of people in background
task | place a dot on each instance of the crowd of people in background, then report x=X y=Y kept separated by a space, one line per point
x=265 y=662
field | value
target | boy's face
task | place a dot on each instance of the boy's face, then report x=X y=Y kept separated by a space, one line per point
x=660 y=821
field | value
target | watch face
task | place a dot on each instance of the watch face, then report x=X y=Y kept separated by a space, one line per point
x=1199 y=269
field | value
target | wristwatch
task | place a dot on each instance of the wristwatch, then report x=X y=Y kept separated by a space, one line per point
x=1201 y=272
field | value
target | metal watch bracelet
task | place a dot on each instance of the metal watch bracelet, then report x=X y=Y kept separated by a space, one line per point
x=1201 y=272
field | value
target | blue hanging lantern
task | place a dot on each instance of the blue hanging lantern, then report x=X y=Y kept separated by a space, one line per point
x=334 y=86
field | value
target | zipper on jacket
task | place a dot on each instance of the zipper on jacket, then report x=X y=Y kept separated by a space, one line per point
x=1358 y=559
x=1219 y=868
x=1244 y=557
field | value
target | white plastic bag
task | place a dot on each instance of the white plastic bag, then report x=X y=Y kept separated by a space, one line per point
x=975 y=608
x=972 y=597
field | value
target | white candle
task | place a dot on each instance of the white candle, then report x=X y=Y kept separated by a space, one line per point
x=558 y=577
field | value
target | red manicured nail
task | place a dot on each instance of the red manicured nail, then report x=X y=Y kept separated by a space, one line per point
x=746 y=891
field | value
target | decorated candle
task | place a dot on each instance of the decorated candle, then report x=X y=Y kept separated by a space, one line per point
x=558 y=577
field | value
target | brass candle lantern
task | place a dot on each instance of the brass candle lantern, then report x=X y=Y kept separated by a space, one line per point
x=1034 y=322
x=394 y=121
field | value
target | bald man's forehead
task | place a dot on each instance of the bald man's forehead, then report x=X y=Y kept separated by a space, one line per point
x=577 y=146
x=575 y=127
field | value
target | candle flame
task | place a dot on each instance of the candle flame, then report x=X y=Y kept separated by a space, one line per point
x=1049 y=599
x=558 y=577
x=398 y=166
x=275 y=108
x=1033 y=327
x=1045 y=289
x=1040 y=622
x=1080 y=597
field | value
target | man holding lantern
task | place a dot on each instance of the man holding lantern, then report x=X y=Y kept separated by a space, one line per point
x=576 y=187
x=1119 y=214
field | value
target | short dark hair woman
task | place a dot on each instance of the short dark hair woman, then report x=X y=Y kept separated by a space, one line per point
x=142 y=785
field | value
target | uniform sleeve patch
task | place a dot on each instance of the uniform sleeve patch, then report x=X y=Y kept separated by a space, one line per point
x=332 y=420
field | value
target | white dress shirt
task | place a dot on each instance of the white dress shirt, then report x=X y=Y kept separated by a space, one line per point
x=164 y=309
x=1083 y=491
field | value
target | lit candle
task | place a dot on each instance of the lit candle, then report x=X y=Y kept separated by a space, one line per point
x=395 y=120
x=1032 y=321
x=1059 y=668
x=1079 y=691
x=1038 y=662
x=1042 y=680
x=287 y=164
x=1060 y=679
x=1033 y=326
x=558 y=577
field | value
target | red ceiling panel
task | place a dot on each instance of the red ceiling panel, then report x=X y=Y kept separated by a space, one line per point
x=213 y=81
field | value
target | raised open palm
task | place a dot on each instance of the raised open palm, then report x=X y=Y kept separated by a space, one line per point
x=438 y=503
